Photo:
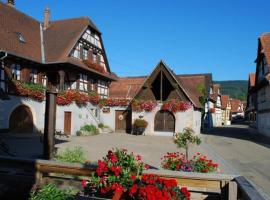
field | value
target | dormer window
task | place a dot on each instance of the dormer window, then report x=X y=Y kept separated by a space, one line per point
x=21 y=38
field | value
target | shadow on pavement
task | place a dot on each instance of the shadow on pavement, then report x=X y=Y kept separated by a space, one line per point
x=239 y=131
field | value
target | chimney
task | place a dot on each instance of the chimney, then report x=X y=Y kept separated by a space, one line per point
x=11 y=3
x=46 y=18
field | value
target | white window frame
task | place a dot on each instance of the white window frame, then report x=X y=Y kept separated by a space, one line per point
x=33 y=76
x=44 y=80
x=102 y=89
x=83 y=82
x=16 y=72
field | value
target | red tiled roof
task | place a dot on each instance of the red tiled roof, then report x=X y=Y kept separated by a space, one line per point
x=252 y=78
x=191 y=83
x=14 y=22
x=265 y=41
x=225 y=99
x=59 y=38
x=128 y=87
x=235 y=103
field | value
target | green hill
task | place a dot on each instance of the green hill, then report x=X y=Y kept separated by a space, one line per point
x=236 y=89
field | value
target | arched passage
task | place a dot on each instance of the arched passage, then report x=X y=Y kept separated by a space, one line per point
x=21 y=120
x=164 y=121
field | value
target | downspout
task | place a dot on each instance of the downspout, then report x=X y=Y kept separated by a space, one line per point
x=42 y=44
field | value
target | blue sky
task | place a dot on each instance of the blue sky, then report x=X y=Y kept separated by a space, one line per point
x=191 y=36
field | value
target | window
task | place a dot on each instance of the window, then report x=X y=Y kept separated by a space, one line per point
x=87 y=35
x=76 y=51
x=83 y=83
x=2 y=78
x=33 y=76
x=44 y=80
x=16 y=72
x=91 y=84
x=21 y=38
x=102 y=89
x=94 y=58
x=85 y=52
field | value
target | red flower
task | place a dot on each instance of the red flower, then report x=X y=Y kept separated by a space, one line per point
x=84 y=183
x=117 y=170
x=133 y=189
x=138 y=157
x=133 y=177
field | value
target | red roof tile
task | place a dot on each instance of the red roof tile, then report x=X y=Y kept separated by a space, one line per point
x=265 y=41
x=128 y=87
x=14 y=22
x=225 y=99
x=235 y=103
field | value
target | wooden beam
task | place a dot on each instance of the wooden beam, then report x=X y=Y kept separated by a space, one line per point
x=49 y=126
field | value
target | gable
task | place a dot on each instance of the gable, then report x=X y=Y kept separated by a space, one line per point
x=161 y=85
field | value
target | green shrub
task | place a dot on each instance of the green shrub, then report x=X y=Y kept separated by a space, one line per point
x=51 y=192
x=76 y=155
x=79 y=133
x=100 y=125
x=89 y=129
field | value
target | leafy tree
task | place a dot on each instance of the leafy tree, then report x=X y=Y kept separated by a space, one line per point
x=185 y=138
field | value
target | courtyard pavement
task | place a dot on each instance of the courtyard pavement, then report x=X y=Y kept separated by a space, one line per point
x=245 y=150
x=151 y=148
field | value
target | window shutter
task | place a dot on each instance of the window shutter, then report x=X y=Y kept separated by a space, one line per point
x=39 y=78
x=90 y=55
x=8 y=73
x=98 y=59
x=25 y=74
x=81 y=51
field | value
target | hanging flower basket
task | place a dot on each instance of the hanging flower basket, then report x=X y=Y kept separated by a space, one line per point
x=29 y=90
x=176 y=106
x=140 y=105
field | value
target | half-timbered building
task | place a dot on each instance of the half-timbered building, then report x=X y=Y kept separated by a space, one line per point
x=60 y=55
x=158 y=93
x=262 y=85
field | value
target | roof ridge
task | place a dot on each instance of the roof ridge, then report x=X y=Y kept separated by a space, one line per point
x=67 y=19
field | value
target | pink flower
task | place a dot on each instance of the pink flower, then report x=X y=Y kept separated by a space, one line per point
x=84 y=183
x=138 y=157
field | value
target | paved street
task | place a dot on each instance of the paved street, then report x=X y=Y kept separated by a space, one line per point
x=245 y=150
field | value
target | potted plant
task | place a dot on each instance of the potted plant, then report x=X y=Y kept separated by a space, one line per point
x=139 y=126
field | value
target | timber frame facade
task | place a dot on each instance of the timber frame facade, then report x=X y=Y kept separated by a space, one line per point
x=57 y=55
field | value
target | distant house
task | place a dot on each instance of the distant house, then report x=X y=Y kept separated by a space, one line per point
x=214 y=114
x=168 y=102
x=237 y=108
x=251 y=108
x=226 y=109
x=262 y=84
x=64 y=55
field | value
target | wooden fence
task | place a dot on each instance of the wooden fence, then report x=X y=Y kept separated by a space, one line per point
x=202 y=186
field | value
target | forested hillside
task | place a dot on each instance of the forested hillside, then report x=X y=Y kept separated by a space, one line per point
x=236 y=89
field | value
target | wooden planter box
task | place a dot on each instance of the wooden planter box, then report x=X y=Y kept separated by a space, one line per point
x=202 y=186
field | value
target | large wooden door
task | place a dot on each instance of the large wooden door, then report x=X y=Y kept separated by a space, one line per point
x=164 y=121
x=67 y=123
x=123 y=121
x=21 y=120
